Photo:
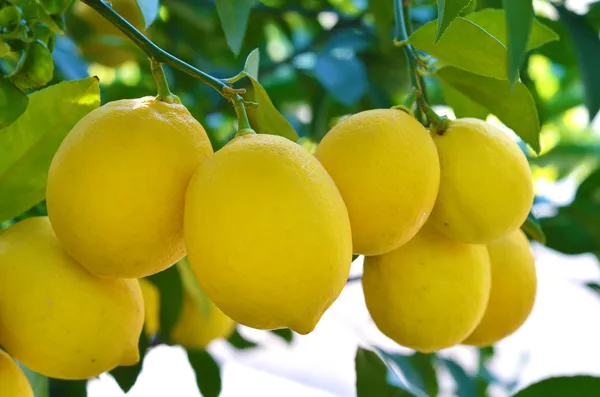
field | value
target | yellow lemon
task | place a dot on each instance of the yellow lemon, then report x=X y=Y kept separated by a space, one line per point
x=486 y=189
x=430 y=293
x=57 y=318
x=195 y=329
x=116 y=186
x=267 y=233
x=386 y=167
x=151 y=307
x=512 y=296
x=13 y=382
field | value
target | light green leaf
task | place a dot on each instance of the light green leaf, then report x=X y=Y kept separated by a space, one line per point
x=234 y=20
x=29 y=144
x=464 y=45
x=462 y=105
x=513 y=105
x=581 y=386
x=533 y=228
x=13 y=102
x=252 y=63
x=519 y=19
x=493 y=21
x=208 y=373
x=192 y=288
x=149 y=10
x=448 y=10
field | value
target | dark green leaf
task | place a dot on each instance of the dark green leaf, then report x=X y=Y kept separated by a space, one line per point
x=462 y=105
x=127 y=376
x=67 y=388
x=208 y=373
x=579 y=386
x=448 y=10
x=39 y=383
x=345 y=79
x=149 y=10
x=567 y=156
x=371 y=377
x=594 y=287
x=593 y=15
x=285 y=334
x=566 y=235
x=513 y=105
x=13 y=102
x=586 y=42
x=383 y=12
x=29 y=144
x=239 y=342
x=465 y=384
x=234 y=19
x=589 y=190
x=171 y=296
x=533 y=228
x=418 y=371
x=465 y=45
x=519 y=20
x=252 y=63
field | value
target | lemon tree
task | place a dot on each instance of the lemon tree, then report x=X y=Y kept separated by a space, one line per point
x=174 y=173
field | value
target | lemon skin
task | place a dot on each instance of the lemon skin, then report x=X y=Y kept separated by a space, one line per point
x=13 y=382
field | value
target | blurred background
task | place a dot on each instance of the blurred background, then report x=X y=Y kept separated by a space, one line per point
x=322 y=60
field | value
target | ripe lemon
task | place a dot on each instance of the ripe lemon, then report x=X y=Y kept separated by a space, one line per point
x=486 y=189
x=56 y=317
x=116 y=186
x=267 y=233
x=386 y=167
x=513 y=290
x=13 y=382
x=151 y=307
x=195 y=329
x=430 y=293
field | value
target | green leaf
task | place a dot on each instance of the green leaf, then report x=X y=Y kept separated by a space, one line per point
x=284 y=333
x=448 y=10
x=29 y=144
x=252 y=63
x=580 y=386
x=171 y=296
x=465 y=384
x=418 y=371
x=494 y=22
x=13 y=102
x=371 y=377
x=149 y=10
x=589 y=189
x=127 y=376
x=465 y=45
x=519 y=20
x=37 y=69
x=345 y=79
x=234 y=19
x=594 y=287
x=208 y=373
x=70 y=388
x=569 y=155
x=585 y=42
x=192 y=288
x=383 y=13
x=533 y=228
x=39 y=383
x=462 y=105
x=513 y=105
x=239 y=342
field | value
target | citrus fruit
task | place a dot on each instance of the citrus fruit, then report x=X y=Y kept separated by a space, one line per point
x=57 y=318
x=151 y=307
x=116 y=186
x=430 y=293
x=13 y=381
x=512 y=295
x=486 y=189
x=386 y=167
x=267 y=233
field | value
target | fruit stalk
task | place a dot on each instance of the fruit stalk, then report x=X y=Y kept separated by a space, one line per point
x=162 y=86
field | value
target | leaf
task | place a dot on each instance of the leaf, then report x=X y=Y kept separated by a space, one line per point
x=383 y=13
x=589 y=189
x=284 y=333
x=192 y=288
x=170 y=287
x=513 y=105
x=208 y=373
x=234 y=19
x=533 y=228
x=345 y=79
x=371 y=377
x=418 y=371
x=566 y=235
x=13 y=102
x=519 y=20
x=494 y=22
x=585 y=42
x=567 y=156
x=580 y=386
x=29 y=144
x=149 y=10
x=127 y=376
x=39 y=383
x=239 y=342
x=465 y=45
x=252 y=63
x=448 y=10
x=462 y=105
x=465 y=384
x=70 y=388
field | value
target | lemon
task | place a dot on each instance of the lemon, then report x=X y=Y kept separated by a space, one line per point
x=513 y=290
x=151 y=307
x=486 y=189
x=57 y=318
x=116 y=186
x=386 y=167
x=195 y=329
x=13 y=381
x=267 y=233
x=430 y=293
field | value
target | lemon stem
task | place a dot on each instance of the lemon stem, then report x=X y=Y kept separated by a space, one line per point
x=244 y=127
x=162 y=86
